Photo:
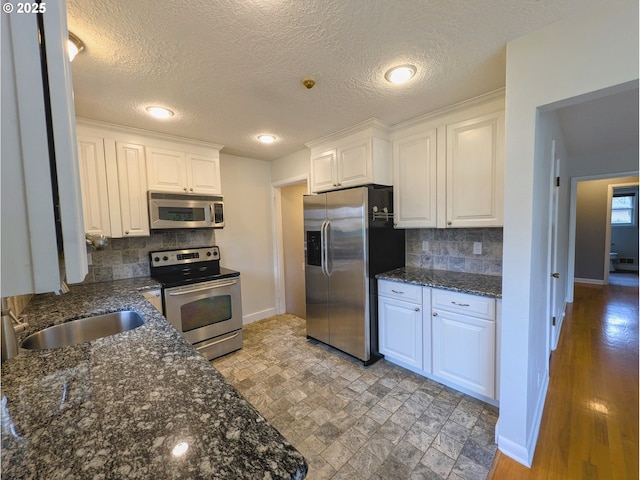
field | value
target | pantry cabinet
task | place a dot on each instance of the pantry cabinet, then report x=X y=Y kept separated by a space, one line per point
x=180 y=171
x=449 y=168
x=353 y=157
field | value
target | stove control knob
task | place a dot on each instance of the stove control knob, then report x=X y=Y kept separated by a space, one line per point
x=156 y=259
x=165 y=258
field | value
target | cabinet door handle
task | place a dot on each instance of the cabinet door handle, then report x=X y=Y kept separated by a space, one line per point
x=460 y=304
x=435 y=314
x=417 y=309
x=126 y=232
x=448 y=223
x=191 y=189
x=398 y=292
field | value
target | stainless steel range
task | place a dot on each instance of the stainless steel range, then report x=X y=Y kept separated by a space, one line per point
x=200 y=298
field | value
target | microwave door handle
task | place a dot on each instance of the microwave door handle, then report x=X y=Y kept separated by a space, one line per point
x=211 y=214
x=202 y=289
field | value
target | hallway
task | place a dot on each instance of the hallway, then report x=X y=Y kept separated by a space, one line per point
x=589 y=427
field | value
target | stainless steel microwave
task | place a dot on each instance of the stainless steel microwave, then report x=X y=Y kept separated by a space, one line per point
x=182 y=210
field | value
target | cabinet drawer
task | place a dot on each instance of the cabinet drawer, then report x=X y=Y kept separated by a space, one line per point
x=401 y=291
x=464 y=303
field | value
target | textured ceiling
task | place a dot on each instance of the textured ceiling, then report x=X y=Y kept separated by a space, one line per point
x=232 y=69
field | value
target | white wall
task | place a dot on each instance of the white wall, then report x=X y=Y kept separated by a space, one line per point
x=583 y=54
x=246 y=241
x=294 y=165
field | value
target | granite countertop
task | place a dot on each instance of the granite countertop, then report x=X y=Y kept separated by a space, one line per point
x=475 y=284
x=116 y=407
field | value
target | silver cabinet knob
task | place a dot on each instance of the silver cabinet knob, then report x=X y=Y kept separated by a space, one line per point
x=417 y=309
x=435 y=314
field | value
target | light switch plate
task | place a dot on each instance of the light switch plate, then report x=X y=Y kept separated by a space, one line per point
x=477 y=248
x=425 y=246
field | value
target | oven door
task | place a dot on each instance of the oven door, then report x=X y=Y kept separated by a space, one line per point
x=205 y=310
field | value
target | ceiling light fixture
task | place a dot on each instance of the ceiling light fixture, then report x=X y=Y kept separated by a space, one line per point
x=266 y=138
x=74 y=46
x=160 y=112
x=400 y=74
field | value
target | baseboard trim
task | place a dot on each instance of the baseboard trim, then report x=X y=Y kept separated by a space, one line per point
x=591 y=281
x=524 y=453
x=261 y=315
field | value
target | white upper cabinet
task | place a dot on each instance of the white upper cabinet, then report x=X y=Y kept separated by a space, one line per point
x=180 y=171
x=475 y=171
x=356 y=156
x=132 y=184
x=414 y=173
x=119 y=166
x=31 y=222
x=93 y=182
x=449 y=169
x=203 y=174
x=166 y=170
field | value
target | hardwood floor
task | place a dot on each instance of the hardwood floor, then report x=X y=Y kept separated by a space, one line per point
x=589 y=426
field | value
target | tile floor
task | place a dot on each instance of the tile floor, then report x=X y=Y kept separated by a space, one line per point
x=355 y=422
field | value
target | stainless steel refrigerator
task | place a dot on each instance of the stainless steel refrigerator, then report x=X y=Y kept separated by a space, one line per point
x=349 y=238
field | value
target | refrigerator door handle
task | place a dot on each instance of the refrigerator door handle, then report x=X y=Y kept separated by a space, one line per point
x=324 y=236
x=322 y=247
x=327 y=248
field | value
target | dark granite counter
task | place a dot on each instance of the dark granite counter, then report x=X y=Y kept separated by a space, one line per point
x=484 y=285
x=116 y=407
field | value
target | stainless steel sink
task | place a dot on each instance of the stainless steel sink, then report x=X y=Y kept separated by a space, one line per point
x=83 y=330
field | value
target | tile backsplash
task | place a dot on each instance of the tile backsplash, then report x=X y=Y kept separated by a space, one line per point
x=452 y=249
x=129 y=257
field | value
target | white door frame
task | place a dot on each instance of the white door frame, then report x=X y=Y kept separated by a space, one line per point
x=278 y=244
x=552 y=256
x=572 y=223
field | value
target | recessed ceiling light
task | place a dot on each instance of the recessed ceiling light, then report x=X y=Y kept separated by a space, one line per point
x=160 y=112
x=74 y=46
x=400 y=74
x=266 y=138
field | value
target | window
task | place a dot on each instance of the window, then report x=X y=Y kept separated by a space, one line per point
x=623 y=209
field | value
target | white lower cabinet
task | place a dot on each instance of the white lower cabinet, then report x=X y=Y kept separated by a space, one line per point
x=400 y=322
x=444 y=335
x=464 y=351
x=401 y=333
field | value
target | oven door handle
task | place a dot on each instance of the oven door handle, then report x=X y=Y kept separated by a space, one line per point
x=202 y=289
x=215 y=342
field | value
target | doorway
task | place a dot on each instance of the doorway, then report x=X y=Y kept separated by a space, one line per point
x=591 y=223
x=290 y=246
